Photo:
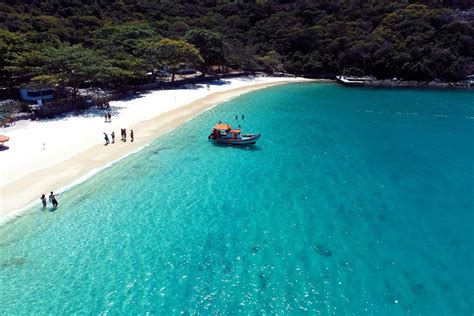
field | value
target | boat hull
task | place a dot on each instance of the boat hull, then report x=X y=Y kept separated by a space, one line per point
x=246 y=140
x=354 y=81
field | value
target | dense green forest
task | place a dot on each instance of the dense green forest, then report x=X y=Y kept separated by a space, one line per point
x=118 y=42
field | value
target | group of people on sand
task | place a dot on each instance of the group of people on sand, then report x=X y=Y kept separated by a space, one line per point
x=52 y=200
x=123 y=133
x=108 y=117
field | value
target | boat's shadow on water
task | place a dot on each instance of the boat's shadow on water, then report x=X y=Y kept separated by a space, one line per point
x=247 y=147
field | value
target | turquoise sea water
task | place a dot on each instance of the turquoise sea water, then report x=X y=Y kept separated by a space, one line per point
x=354 y=201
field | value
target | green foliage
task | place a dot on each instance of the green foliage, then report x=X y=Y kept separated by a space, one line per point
x=411 y=39
x=123 y=38
x=44 y=81
x=123 y=45
x=271 y=62
x=172 y=54
x=71 y=65
x=210 y=45
x=12 y=45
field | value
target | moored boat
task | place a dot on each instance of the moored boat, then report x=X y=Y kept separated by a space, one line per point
x=225 y=134
x=354 y=81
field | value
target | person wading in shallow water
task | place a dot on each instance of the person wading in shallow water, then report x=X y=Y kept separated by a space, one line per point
x=52 y=200
x=43 y=200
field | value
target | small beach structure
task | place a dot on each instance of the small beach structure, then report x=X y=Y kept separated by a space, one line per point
x=225 y=134
x=37 y=95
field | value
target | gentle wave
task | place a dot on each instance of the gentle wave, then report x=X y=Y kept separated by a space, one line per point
x=30 y=207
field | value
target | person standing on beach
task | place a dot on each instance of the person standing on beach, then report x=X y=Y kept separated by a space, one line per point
x=106 y=117
x=113 y=137
x=43 y=200
x=106 y=139
x=121 y=134
x=124 y=135
x=110 y=117
x=131 y=135
x=52 y=200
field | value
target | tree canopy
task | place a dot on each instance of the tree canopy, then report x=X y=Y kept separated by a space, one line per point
x=172 y=55
x=210 y=45
x=411 y=39
x=71 y=65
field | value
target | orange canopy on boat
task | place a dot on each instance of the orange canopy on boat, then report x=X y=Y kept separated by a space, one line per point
x=4 y=138
x=222 y=126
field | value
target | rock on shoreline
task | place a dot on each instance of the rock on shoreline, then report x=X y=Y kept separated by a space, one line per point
x=418 y=84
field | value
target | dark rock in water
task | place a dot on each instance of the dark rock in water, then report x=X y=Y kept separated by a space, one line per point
x=12 y=262
x=227 y=268
x=342 y=209
x=389 y=293
x=322 y=250
x=344 y=264
x=263 y=281
x=255 y=249
x=418 y=289
x=382 y=217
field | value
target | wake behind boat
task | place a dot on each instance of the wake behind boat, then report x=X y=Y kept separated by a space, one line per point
x=225 y=134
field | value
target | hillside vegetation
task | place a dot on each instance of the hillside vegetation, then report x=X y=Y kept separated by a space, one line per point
x=70 y=42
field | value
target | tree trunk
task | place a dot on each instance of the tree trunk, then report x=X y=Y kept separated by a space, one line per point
x=74 y=92
x=75 y=89
x=203 y=71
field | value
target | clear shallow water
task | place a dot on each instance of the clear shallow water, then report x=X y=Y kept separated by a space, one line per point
x=354 y=201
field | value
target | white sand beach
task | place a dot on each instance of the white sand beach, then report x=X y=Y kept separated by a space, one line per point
x=48 y=155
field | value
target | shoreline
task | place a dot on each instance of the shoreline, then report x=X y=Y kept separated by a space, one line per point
x=15 y=200
x=402 y=84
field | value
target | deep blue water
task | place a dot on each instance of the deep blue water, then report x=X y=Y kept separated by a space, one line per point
x=354 y=201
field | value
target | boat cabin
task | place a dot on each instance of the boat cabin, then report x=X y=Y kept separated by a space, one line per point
x=234 y=133
x=226 y=131
x=223 y=128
